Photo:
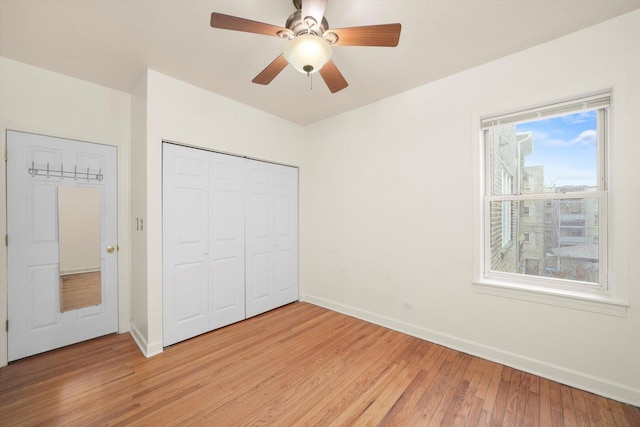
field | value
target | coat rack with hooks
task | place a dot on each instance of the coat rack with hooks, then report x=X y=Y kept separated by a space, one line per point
x=75 y=174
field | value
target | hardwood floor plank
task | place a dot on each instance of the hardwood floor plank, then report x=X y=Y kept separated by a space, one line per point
x=297 y=365
x=405 y=407
x=483 y=388
x=470 y=401
x=320 y=378
x=502 y=394
x=430 y=407
x=632 y=414
x=512 y=399
x=453 y=396
x=555 y=396
x=605 y=411
x=524 y=396
x=532 y=411
x=380 y=395
x=492 y=389
x=568 y=408
x=579 y=401
x=329 y=408
x=546 y=419
x=411 y=393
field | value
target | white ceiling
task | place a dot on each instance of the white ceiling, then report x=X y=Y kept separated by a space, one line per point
x=113 y=42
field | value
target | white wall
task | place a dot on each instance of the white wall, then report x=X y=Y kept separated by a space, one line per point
x=388 y=201
x=179 y=112
x=39 y=101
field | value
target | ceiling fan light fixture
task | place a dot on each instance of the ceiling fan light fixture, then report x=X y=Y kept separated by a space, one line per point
x=307 y=53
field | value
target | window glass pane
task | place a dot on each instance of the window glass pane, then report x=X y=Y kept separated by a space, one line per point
x=558 y=238
x=557 y=154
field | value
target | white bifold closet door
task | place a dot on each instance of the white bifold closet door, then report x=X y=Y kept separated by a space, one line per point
x=271 y=236
x=229 y=240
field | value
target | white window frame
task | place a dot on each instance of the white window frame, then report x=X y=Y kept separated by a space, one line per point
x=600 y=298
x=507 y=183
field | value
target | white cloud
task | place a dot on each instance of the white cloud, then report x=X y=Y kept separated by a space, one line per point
x=587 y=137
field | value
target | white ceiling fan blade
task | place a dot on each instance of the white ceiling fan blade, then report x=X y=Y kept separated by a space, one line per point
x=314 y=9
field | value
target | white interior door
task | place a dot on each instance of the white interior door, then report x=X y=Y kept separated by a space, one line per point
x=185 y=243
x=36 y=322
x=226 y=237
x=203 y=242
x=271 y=237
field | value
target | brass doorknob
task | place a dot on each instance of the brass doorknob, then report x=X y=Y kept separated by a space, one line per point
x=110 y=249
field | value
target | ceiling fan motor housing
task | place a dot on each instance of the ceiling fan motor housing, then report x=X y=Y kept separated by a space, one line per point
x=299 y=26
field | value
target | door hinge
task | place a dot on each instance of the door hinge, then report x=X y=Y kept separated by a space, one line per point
x=7 y=325
x=6 y=240
x=6 y=155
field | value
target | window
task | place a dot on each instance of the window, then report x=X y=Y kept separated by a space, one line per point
x=548 y=216
x=565 y=178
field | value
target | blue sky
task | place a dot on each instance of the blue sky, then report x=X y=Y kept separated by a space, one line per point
x=566 y=147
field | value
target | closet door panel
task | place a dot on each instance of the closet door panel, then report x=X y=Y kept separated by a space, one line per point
x=259 y=239
x=188 y=297
x=227 y=255
x=286 y=234
x=271 y=243
x=185 y=243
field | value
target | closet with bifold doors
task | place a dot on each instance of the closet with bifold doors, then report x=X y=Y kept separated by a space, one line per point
x=230 y=239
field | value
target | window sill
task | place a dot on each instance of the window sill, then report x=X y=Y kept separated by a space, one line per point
x=602 y=304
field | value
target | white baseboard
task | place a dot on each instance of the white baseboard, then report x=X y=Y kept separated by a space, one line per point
x=580 y=380
x=148 y=350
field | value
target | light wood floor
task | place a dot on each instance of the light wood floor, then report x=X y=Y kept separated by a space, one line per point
x=298 y=365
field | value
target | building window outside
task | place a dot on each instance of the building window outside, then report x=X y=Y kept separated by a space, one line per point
x=563 y=179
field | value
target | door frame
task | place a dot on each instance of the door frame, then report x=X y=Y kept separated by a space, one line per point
x=122 y=165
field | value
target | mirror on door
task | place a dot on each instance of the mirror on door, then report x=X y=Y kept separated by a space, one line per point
x=79 y=247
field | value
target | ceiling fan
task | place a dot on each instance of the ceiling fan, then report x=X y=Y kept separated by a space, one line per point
x=310 y=41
